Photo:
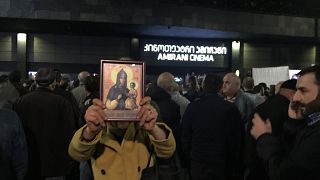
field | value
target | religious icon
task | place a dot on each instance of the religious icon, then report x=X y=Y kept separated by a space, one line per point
x=122 y=88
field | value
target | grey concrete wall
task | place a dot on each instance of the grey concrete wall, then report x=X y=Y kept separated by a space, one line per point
x=8 y=47
x=155 y=12
x=76 y=49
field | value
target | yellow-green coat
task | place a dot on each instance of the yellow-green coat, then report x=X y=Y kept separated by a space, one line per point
x=123 y=161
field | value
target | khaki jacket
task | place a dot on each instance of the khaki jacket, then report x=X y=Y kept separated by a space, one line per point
x=123 y=161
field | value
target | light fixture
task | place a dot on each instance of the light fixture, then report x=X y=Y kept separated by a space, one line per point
x=22 y=37
x=237 y=72
x=135 y=40
x=235 y=45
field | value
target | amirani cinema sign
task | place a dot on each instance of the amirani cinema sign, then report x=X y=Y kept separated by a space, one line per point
x=190 y=53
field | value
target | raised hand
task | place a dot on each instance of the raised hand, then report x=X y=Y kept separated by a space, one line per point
x=259 y=126
x=95 y=119
x=147 y=114
x=295 y=110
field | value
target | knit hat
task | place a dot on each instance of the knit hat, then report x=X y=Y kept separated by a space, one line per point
x=289 y=84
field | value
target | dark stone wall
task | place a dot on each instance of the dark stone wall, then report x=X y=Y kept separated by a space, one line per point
x=68 y=49
x=89 y=50
x=156 y=12
x=296 y=56
x=76 y=49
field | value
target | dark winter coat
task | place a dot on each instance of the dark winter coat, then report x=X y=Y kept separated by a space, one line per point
x=275 y=109
x=13 y=147
x=301 y=161
x=49 y=124
x=212 y=133
x=169 y=110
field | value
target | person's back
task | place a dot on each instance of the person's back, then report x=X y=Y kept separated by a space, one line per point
x=212 y=133
x=193 y=92
x=167 y=83
x=171 y=105
x=210 y=111
x=8 y=93
x=49 y=124
x=92 y=87
x=43 y=115
x=79 y=92
x=255 y=98
x=66 y=94
x=182 y=101
x=274 y=108
x=15 y=79
x=169 y=110
x=245 y=105
x=13 y=147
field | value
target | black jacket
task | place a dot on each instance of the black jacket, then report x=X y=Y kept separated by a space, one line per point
x=169 y=110
x=275 y=109
x=13 y=147
x=212 y=133
x=69 y=96
x=301 y=161
x=49 y=124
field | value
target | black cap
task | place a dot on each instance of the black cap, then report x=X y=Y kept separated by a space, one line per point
x=289 y=84
x=45 y=76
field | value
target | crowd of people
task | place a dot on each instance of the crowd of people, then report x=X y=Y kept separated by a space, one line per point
x=219 y=128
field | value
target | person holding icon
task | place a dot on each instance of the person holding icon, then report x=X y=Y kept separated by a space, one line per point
x=121 y=150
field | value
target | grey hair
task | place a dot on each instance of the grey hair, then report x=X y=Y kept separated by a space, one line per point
x=166 y=81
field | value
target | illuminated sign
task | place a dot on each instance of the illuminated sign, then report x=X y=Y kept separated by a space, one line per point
x=184 y=52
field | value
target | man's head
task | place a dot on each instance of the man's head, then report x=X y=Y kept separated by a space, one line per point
x=45 y=77
x=231 y=84
x=82 y=76
x=64 y=82
x=58 y=75
x=92 y=84
x=15 y=76
x=212 y=83
x=307 y=100
x=248 y=83
x=193 y=83
x=122 y=78
x=126 y=58
x=166 y=81
x=288 y=88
